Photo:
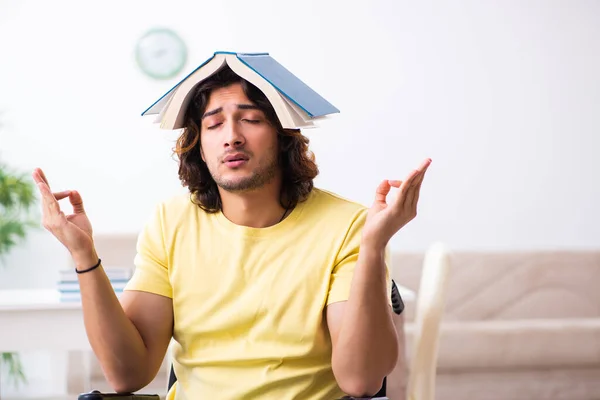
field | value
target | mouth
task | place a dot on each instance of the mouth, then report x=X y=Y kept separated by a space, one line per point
x=235 y=160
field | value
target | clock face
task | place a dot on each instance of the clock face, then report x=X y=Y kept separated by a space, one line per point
x=161 y=53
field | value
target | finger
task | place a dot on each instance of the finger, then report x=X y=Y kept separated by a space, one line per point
x=422 y=167
x=405 y=189
x=382 y=191
x=43 y=175
x=409 y=183
x=425 y=164
x=52 y=215
x=420 y=171
x=76 y=202
x=396 y=184
x=413 y=197
x=400 y=199
x=61 y=195
x=419 y=178
x=49 y=202
x=415 y=182
x=39 y=176
x=36 y=176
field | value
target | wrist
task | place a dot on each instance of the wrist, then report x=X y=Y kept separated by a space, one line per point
x=372 y=253
x=84 y=260
x=373 y=245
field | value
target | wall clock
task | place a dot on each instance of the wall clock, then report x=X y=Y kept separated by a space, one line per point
x=161 y=53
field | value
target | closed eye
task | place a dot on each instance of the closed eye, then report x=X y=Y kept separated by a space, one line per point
x=252 y=121
x=214 y=126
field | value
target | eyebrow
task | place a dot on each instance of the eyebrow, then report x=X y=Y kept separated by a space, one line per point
x=239 y=106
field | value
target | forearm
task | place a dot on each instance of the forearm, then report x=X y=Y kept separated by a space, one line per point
x=113 y=337
x=367 y=346
x=398 y=379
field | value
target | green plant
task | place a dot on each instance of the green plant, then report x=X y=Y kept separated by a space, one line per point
x=17 y=198
x=15 y=368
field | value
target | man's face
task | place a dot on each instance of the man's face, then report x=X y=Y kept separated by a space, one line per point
x=238 y=143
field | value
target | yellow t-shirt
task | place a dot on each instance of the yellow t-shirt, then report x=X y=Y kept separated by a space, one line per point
x=249 y=302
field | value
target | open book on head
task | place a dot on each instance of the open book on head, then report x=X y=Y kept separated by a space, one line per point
x=296 y=104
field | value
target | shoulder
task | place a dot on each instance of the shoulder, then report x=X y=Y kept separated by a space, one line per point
x=177 y=202
x=175 y=208
x=328 y=204
x=331 y=199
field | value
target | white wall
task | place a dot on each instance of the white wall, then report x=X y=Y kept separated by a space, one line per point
x=503 y=95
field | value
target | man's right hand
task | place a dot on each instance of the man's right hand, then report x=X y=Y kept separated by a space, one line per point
x=74 y=231
x=130 y=338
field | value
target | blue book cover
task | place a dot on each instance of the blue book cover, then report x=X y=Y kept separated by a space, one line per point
x=288 y=84
x=278 y=76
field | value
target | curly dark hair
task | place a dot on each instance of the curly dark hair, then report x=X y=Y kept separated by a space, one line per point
x=296 y=161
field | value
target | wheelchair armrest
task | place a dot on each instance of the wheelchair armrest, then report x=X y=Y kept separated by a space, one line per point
x=96 y=395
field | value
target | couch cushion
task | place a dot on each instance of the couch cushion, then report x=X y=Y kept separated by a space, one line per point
x=512 y=285
x=517 y=344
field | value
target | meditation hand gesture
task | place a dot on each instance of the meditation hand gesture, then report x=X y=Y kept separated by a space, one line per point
x=73 y=231
x=385 y=219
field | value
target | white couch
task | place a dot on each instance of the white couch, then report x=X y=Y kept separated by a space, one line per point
x=517 y=326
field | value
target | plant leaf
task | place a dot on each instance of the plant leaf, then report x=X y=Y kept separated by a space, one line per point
x=16 y=374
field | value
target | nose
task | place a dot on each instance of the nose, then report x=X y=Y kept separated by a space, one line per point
x=233 y=136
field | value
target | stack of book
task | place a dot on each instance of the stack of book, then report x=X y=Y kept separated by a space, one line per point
x=68 y=284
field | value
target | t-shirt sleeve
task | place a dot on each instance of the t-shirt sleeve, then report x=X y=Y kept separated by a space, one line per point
x=151 y=261
x=343 y=271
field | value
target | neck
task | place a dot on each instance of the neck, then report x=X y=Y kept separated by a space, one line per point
x=258 y=208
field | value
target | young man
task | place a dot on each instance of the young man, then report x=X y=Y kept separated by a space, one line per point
x=271 y=288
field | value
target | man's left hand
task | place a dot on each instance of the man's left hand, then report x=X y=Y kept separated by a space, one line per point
x=385 y=219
